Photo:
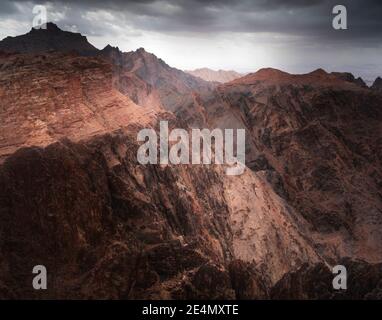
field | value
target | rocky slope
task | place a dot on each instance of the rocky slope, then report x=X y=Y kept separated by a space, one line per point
x=45 y=97
x=74 y=198
x=221 y=76
x=140 y=75
x=150 y=82
x=318 y=139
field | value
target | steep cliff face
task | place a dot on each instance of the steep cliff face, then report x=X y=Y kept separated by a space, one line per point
x=45 y=97
x=318 y=137
x=74 y=198
x=106 y=227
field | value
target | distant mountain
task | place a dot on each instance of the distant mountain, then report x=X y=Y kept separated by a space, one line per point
x=50 y=39
x=151 y=82
x=215 y=76
x=317 y=77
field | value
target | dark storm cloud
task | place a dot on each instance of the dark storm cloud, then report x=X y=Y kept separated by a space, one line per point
x=308 y=19
x=7 y=8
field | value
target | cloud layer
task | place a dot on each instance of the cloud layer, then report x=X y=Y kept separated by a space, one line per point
x=287 y=34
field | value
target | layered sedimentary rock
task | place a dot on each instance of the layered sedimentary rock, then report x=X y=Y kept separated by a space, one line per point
x=46 y=97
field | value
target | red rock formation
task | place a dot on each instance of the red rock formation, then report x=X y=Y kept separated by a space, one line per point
x=50 y=96
x=74 y=198
x=316 y=137
x=150 y=82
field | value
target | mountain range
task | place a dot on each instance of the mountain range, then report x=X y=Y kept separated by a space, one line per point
x=74 y=198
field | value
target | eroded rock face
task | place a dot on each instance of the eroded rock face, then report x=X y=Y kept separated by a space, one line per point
x=317 y=139
x=45 y=97
x=150 y=82
x=106 y=227
x=74 y=198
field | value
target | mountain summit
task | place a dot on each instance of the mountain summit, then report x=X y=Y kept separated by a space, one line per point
x=52 y=38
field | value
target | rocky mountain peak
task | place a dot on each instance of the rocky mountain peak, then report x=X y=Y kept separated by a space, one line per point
x=51 y=38
x=49 y=27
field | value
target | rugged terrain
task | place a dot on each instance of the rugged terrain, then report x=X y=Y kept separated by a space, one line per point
x=74 y=198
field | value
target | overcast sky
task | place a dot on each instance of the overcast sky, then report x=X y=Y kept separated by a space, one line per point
x=295 y=36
